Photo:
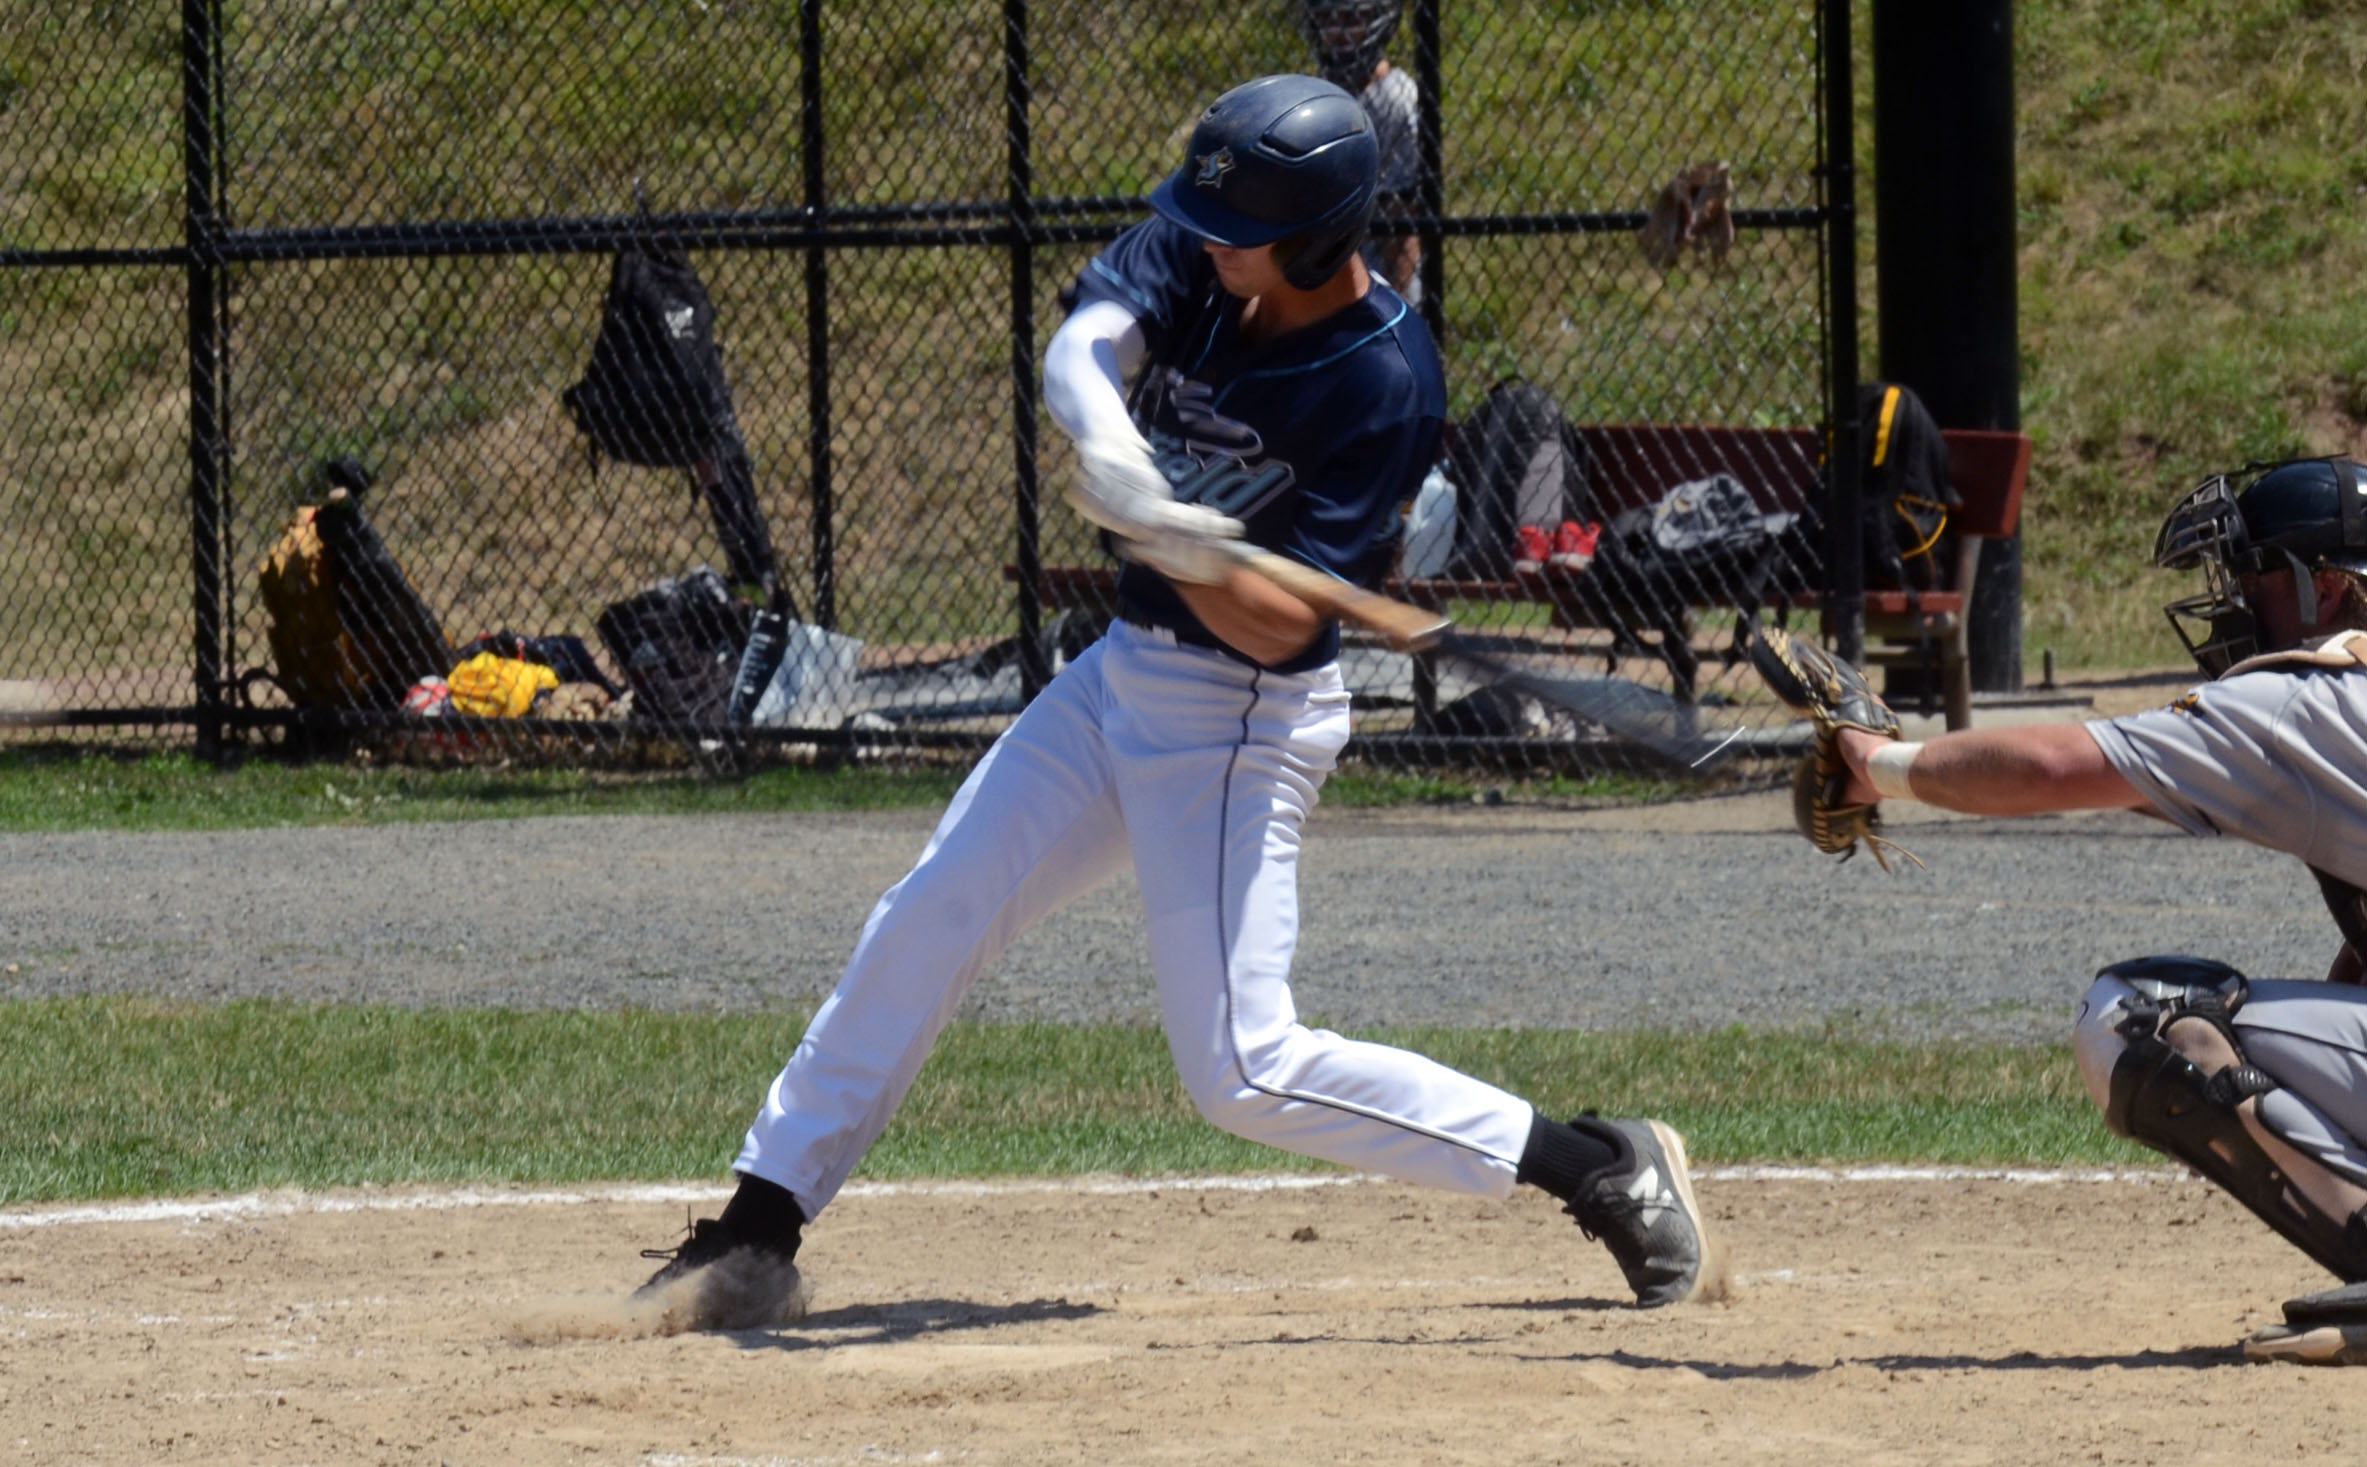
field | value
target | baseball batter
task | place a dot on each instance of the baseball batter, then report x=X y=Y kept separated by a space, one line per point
x=2261 y=1085
x=1193 y=738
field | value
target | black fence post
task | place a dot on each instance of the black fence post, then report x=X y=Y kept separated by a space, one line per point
x=1432 y=195
x=1944 y=219
x=209 y=453
x=1845 y=524
x=1034 y=668
x=817 y=316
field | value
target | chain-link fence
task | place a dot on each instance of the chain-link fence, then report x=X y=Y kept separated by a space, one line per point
x=320 y=424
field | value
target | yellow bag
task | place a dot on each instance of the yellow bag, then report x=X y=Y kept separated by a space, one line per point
x=311 y=656
x=490 y=685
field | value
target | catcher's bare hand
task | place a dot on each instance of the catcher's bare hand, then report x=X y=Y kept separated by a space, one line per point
x=1856 y=747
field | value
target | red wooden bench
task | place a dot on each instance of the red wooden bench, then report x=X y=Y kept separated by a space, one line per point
x=1633 y=465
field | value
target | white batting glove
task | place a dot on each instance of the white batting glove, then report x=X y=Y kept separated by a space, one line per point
x=1199 y=549
x=1118 y=485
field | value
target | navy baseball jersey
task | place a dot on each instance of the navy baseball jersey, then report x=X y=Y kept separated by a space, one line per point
x=1351 y=406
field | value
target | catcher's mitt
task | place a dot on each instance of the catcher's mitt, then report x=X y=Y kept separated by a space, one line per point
x=1832 y=695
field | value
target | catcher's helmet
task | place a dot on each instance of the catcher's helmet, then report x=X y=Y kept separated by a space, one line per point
x=2304 y=515
x=1349 y=37
x=1283 y=160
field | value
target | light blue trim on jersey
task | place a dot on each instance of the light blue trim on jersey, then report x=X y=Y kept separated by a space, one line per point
x=1144 y=307
x=1349 y=350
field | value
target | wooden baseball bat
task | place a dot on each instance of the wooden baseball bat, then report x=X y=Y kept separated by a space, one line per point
x=1406 y=628
x=1642 y=716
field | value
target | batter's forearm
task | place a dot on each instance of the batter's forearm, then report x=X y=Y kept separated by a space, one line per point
x=1253 y=616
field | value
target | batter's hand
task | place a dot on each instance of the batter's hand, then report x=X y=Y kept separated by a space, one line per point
x=1119 y=486
x=1199 y=550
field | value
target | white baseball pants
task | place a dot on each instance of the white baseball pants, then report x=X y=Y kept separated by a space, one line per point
x=1203 y=769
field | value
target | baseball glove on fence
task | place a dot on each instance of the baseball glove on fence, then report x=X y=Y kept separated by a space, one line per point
x=1833 y=696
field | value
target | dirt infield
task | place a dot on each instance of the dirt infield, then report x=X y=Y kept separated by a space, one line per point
x=1879 y=1321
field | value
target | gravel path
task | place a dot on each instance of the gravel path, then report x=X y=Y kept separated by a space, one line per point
x=1696 y=915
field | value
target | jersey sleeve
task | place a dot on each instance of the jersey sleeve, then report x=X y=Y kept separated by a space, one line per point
x=2266 y=757
x=1155 y=270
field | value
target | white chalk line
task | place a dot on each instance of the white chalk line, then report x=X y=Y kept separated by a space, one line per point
x=290 y=1203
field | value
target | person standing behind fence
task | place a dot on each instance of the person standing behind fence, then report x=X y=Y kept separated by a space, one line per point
x=1351 y=38
x=1191 y=740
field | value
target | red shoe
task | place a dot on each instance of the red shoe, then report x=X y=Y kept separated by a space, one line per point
x=1530 y=546
x=1574 y=544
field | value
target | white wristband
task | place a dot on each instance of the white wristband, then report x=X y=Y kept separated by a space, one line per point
x=1886 y=769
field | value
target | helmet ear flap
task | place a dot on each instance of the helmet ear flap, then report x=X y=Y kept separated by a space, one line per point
x=1311 y=259
x=2351 y=505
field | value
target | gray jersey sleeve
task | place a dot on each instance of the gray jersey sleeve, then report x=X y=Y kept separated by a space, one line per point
x=1394 y=103
x=2276 y=757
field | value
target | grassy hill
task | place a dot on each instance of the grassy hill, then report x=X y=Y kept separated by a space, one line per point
x=2193 y=184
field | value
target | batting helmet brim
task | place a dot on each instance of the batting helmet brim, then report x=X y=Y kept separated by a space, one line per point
x=1198 y=210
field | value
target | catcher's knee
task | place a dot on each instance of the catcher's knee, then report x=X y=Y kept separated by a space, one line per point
x=2161 y=1058
x=2145 y=994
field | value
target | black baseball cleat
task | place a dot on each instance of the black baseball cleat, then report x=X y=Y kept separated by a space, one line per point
x=1641 y=1207
x=722 y=1278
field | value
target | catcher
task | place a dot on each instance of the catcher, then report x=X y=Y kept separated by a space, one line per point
x=2260 y=1085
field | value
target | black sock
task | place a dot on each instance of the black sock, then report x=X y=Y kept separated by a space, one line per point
x=1560 y=1155
x=762 y=1209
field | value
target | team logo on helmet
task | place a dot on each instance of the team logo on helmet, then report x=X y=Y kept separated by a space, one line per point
x=1213 y=168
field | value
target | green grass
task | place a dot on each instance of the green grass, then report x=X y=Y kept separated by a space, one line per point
x=76 y=790
x=112 y=1097
x=44 y=790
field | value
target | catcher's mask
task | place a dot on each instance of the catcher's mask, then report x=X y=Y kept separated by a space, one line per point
x=2302 y=515
x=1350 y=37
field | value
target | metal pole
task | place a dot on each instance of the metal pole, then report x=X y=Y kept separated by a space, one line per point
x=1034 y=668
x=208 y=446
x=1432 y=189
x=1845 y=526
x=1944 y=223
x=817 y=317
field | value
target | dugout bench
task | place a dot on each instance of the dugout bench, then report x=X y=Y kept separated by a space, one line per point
x=1631 y=466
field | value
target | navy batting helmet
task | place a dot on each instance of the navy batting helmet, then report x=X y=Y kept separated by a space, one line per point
x=1284 y=160
x=2305 y=515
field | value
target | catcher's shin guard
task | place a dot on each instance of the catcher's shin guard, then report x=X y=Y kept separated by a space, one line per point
x=2157 y=1046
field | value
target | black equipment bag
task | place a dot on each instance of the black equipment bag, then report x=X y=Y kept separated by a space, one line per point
x=654 y=394
x=1904 y=488
x=1706 y=542
x=396 y=638
x=1515 y=461
x=679 y=643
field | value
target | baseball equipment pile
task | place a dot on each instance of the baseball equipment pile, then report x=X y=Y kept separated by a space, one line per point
x=1832 y=696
